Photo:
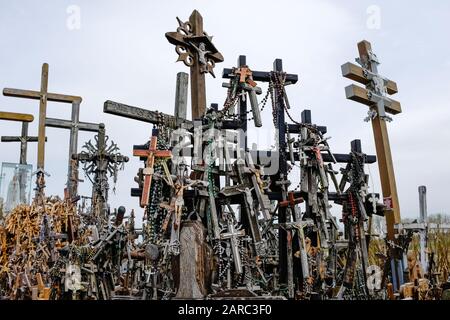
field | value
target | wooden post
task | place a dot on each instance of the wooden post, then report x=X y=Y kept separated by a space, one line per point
x=375 y=96
x=181 y=96
x=195 y=261
x=198 y=88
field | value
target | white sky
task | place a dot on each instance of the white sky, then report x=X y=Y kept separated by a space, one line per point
x=120 y=53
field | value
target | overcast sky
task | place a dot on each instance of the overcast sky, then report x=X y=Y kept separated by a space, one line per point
x=117 y=51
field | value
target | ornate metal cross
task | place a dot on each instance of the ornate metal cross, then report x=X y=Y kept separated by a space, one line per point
x=195 y=48
x=100 y=160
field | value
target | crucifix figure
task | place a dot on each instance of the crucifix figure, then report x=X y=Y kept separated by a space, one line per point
x=150 y=155
x=43 y=96
x=74 y=125
x=196 y=50
x=375 y=96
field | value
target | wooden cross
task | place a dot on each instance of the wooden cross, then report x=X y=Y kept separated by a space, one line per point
x=24 y=138
x=150 y=154
x=196 y=50
x=43 y=96
x=375 y=96
x=74 y=125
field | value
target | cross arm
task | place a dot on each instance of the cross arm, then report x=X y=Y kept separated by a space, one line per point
x=66 y=124
x=361 y=95
x=36 y=95
x=354 y=72
x=12 y=116
x=259 y=76
x=19 y=139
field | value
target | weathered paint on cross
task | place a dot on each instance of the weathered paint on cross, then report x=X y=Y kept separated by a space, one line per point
x=150 y=154
x=379 y=103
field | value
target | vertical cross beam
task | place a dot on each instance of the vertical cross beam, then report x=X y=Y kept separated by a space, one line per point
x=181 y=96
x=198 y=88
x=42 y=115
x=423 y=221
x=242 y=61
x=281 y=140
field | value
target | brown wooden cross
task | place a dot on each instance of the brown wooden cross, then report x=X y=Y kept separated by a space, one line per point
x=375 y=95
x=43 y=96
x=196 y=50
x=150 y=154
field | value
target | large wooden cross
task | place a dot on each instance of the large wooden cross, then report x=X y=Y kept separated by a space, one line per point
x=150 y=155
x=196 y=50
x=74 y=125
x=43 y=96
x=375 y=95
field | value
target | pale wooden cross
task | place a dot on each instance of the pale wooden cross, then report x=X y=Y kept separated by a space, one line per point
x=43 y=96
x=74 y=125
x=196 y=50
x=375 y=96
x=233 y=235
x=150 y=154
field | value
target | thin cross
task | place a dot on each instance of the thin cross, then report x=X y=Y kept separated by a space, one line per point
x=43 y=96
x=196 y=50
x=24 y=138
x=74 y=125
x=233 y=234
x=150 y=154
x=375 y=96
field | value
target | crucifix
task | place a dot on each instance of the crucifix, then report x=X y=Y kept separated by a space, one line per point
x=150 y=155
x=74 y=125
x=375 y=96
x=195 y=48
x=43 y=96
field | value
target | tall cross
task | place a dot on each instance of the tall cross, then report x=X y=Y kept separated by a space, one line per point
x=74 y=125
x=150 y=154
x=196 y=50
x=43 y=96
x=375 y=95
